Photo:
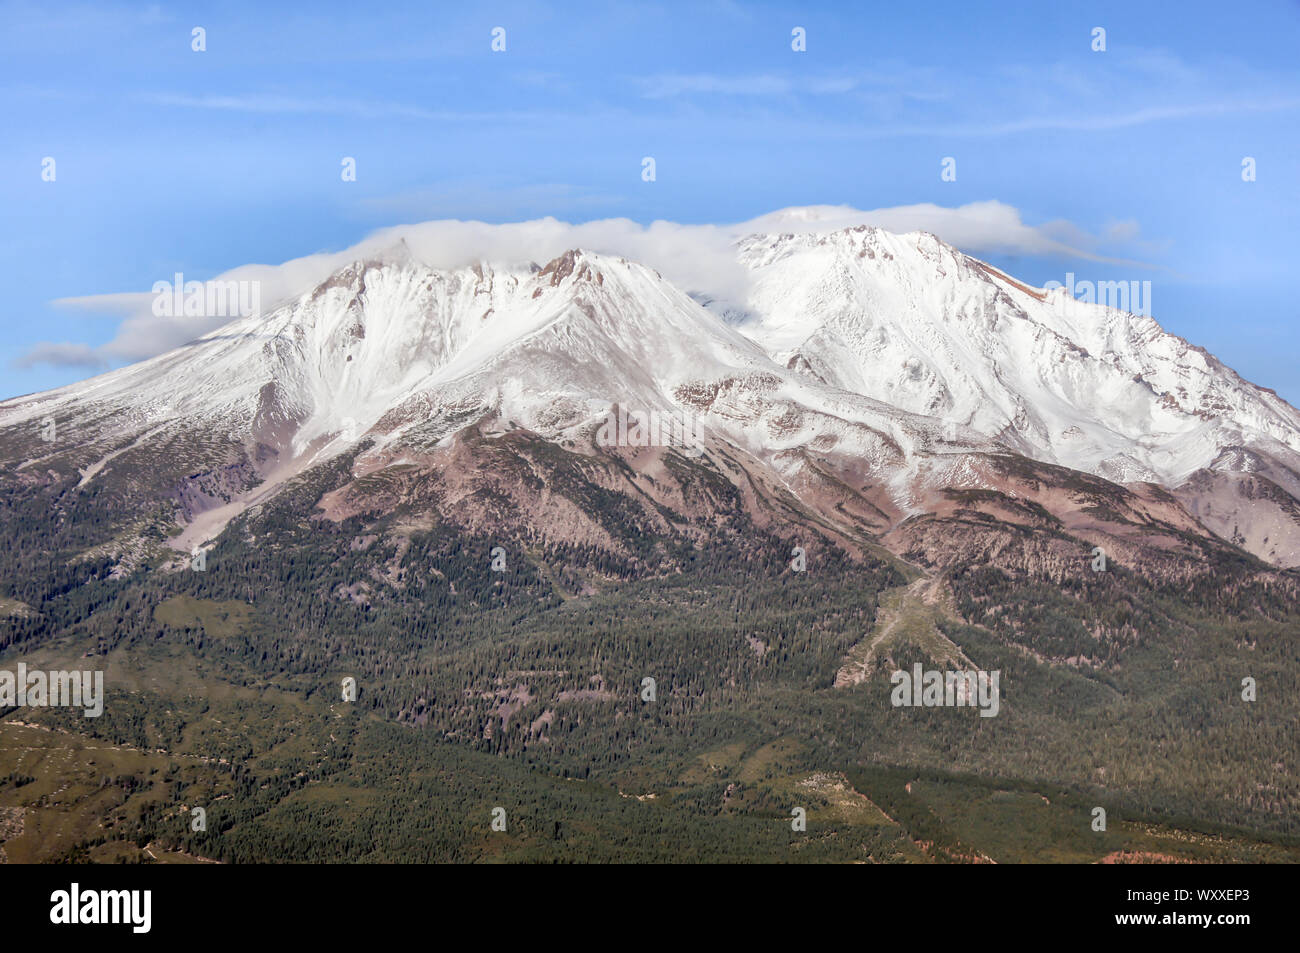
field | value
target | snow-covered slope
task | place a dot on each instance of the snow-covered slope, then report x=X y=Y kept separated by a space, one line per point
x=914 y=323
x=861 y=362
x=404 y=355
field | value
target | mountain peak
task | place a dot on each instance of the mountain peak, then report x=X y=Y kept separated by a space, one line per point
x=578 y=263
x=850 y=342
x=396 y=253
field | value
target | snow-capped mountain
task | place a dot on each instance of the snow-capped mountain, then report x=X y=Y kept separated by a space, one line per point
x=916 y=324
x=887 y=367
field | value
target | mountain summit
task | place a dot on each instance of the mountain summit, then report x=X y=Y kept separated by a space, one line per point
x=886 y=368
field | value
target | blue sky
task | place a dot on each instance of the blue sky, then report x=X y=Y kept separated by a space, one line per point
x=172 y=160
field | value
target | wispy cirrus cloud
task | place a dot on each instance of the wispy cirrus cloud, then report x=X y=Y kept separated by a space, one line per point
x=1138 y=87
x=916 y=84
x=678 y=84
x=1105 y=121
x=282 y=104
x=492 y=199
x=62 y=354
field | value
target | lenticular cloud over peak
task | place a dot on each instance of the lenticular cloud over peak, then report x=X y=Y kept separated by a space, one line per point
x=698 y=258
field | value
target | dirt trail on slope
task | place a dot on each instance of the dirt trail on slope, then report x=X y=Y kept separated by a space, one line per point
x=907 y=615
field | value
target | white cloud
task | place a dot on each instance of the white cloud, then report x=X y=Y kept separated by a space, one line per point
x=697 y=258
x=677 y=84
x=901 y=81
x=335 y=106
x=62 y=355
